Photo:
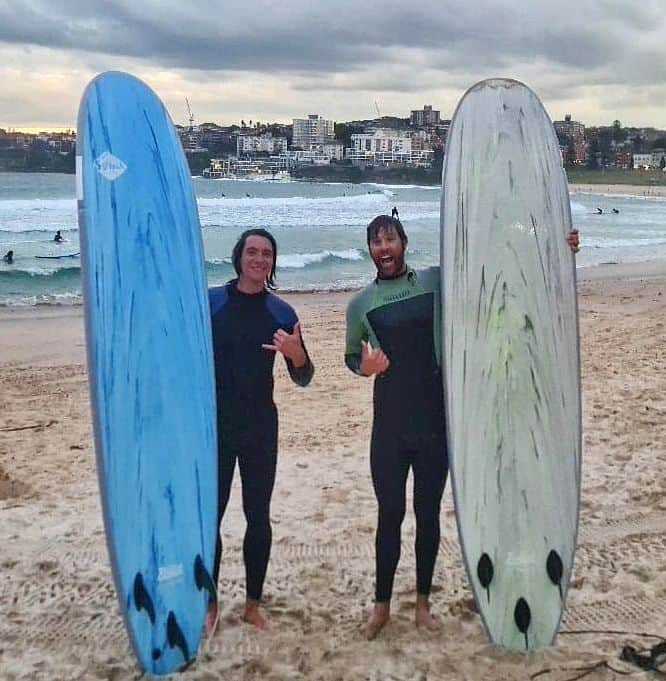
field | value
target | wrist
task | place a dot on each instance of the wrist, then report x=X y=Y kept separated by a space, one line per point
x=299 y=359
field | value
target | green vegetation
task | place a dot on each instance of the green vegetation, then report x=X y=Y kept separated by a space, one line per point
x=581 y=175
x=347 y=173
x=198 y=162
x=36 y=159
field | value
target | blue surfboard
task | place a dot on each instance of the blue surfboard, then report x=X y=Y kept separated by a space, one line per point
x=150 y=366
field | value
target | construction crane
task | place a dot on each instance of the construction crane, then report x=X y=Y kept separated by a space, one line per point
x=189 y=111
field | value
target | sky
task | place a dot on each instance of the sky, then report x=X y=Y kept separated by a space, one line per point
x=275 y=60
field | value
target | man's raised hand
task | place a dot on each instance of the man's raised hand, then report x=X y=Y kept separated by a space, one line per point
x=373 y=361
x=289 y=344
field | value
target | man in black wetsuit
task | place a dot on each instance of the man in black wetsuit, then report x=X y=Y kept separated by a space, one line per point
x=250 y=324
x=393 y=332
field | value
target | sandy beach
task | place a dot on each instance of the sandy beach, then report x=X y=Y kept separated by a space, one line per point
x=619 y=189
x=60 y=618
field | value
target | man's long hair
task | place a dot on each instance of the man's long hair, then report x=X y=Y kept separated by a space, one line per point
x=240 y=245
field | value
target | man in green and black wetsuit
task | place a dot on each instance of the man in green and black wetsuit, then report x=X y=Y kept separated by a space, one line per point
x=393 y=328
x=392 y=332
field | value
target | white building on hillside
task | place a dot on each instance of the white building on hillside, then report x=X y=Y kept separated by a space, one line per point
x=334 y=150
x=312 y=131
x=252 y=144
x=387 y=147
x=647 y=161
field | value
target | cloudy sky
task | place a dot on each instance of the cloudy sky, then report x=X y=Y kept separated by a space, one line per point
x=270 y=60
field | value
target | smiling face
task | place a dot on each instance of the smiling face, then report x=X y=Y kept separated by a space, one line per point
x=387 y=250
x=256 y=262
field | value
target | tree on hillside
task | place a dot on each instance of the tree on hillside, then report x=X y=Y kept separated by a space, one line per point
x=619 y=133
x=593 y=155
x=343 y=132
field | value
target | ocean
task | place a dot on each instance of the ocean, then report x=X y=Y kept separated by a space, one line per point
x=319 y=227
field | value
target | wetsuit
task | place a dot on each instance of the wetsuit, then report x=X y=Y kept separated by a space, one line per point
x=246 y=415
x=401 y=316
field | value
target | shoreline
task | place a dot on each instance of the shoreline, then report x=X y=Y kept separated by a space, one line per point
x=643 y=269
x=633 y=190
x=638 y=190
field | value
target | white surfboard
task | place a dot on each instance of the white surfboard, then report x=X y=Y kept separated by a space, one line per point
x=511 y=360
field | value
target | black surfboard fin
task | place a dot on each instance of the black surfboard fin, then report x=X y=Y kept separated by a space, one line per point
x=485 y=572
x=203 y=580
x=555 y=569
x=142 y=599
x=522 y=617
x=651 y=662
x=175 y=636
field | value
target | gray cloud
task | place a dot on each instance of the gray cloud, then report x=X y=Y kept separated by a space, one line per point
x=330 y=37
x=316 y=49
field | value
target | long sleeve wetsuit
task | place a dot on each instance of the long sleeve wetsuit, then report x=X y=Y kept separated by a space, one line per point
x=402 y=317
x=246 y=415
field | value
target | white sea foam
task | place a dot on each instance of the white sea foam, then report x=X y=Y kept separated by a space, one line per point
x=301 y=260
x=319 y=227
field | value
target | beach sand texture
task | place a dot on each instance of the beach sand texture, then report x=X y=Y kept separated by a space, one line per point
x=60 y=618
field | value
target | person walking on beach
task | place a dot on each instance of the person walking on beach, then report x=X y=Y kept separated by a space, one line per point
x=250 y=325
x=58 y=238
x=393 y=334
x=9 y=257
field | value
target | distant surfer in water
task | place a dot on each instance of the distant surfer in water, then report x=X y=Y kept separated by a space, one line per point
x=250 y=325
x=58 y=238
x=394 y=213
x=615 y=210
x=600 y=211
x=393 y=333
x=9 y=257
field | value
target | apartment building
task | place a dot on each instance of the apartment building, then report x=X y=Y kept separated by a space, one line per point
x=649 y=161
x=312 y=131
x=427 y=117
x=385 y=147
x=572 y=140
x=248 y=145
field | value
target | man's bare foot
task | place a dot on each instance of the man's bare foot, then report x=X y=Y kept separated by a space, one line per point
x=210 y=623
x=422 y=615
x=381 y=614
x=252 y=616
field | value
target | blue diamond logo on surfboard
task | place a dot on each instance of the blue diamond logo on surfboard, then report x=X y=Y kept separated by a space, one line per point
x=109 y=166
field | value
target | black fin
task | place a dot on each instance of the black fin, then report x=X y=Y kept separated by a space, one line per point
x=485 y=572
x=142 y=599
x=522 y=616
x=203 y=580
x=175 y=637
x=555 y=569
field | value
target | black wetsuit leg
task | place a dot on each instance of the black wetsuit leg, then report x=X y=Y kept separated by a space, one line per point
x=226 y=463
x=389 y=465
x=257 y=463
x=257 y=460
x=430 y=467
x=391 y=456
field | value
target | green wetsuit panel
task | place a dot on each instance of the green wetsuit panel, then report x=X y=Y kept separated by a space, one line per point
x=402 y=317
